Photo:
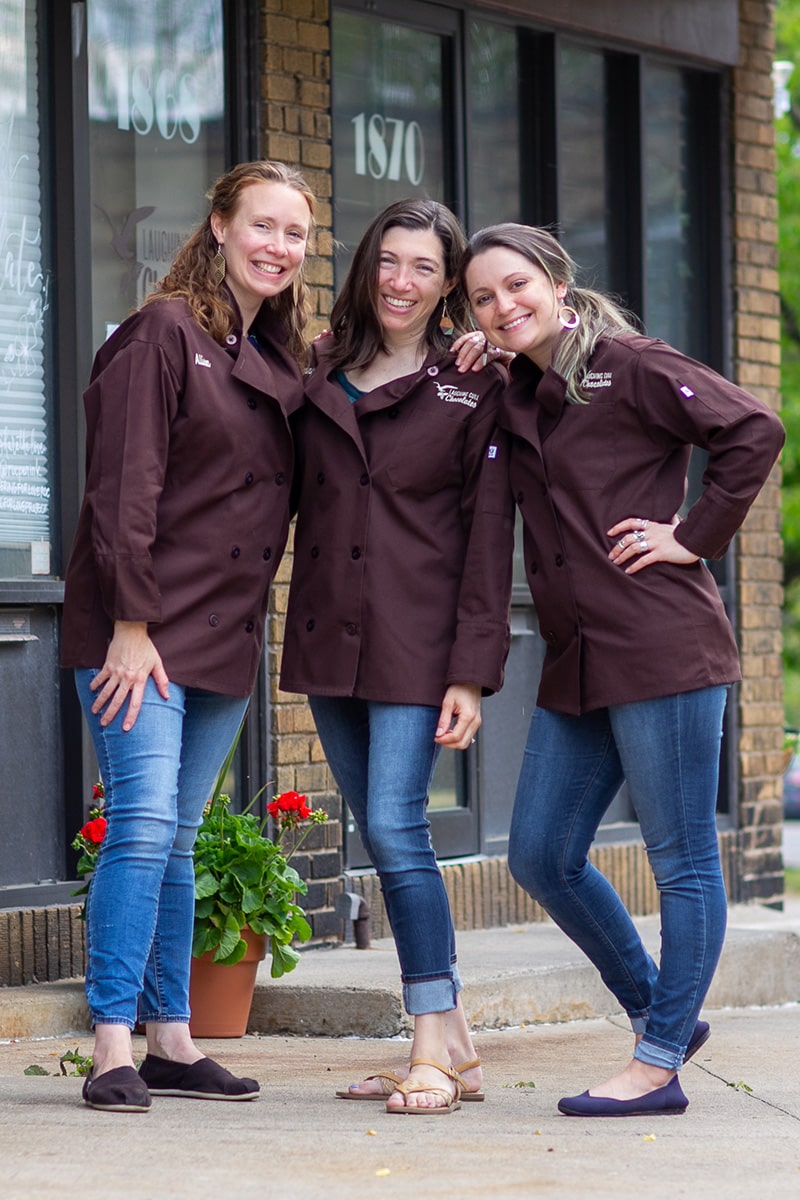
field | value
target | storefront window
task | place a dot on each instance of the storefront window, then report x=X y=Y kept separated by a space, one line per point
x=494 y=125
x=26 y=444
x=582 y=124
x=156 y=106
x=388 y=121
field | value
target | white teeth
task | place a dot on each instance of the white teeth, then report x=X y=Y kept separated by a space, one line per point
x=268 y=268
x=513 y=324
x=394 y=303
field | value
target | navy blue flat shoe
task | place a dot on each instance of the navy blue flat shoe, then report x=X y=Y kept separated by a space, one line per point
x=702 y=1032
x=664 y=1100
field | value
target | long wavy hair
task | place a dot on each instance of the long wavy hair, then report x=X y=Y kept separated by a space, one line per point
x=190 y=276
x=357 y=331
x=600 y=316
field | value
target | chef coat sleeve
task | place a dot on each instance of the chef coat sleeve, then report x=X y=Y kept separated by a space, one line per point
x=483 y=635
x=683 y=398
x=129 y=405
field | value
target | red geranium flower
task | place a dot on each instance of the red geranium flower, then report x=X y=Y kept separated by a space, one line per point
x=95 y=830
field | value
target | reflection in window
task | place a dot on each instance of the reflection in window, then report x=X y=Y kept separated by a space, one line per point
x=671 y=289
x=583 y=203
x=388 y=132
x=156 y=105
x=494 y=138
x=25 y=441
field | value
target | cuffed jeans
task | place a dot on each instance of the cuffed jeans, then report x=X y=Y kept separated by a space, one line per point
x=668 y=751
x=140 y=908
x=383 y=757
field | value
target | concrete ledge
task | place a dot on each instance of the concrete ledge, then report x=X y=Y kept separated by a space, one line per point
x=513 y=976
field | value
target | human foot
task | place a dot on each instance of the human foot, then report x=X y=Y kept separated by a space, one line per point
x=422 y=1093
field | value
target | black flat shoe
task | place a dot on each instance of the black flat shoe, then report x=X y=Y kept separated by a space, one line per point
x=120 y=1090
x=702 y=1032
x=201 y=1080
x=664 y=1100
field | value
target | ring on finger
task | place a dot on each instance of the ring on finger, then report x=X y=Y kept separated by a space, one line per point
x=639 y=535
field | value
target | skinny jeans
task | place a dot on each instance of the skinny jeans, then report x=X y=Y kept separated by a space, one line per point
x=158 y=778
x=383 y=758
x=668 y=751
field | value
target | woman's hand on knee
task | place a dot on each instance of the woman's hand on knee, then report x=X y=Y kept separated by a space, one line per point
x=131 y=659
x=460 y=718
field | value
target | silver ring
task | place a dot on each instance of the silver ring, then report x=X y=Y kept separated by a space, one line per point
x=642 y=546
x=645 y=522
x=639 y=535
x=621 y=543
x=472 y=743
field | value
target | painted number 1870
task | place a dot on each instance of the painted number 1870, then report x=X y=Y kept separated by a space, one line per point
x=388 y=148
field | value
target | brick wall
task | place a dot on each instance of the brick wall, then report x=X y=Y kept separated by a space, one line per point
x=756 y=352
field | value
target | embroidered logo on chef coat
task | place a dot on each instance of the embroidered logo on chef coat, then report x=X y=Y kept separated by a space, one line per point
x=453 y=395
x=597 y=379
x=686 y=391
x=199 y=361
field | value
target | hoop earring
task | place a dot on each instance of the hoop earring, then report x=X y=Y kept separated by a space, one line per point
x=569 y=317
x=218 y=267
x=445 y=321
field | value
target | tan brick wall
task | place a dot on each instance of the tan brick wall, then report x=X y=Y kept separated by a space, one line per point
x=756 y=352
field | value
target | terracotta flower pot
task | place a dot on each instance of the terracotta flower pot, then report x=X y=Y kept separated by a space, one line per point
x=220 y=996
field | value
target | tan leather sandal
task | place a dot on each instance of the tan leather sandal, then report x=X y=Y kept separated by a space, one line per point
x=466 y=1094
x=411 y=1086
x=389 y=1083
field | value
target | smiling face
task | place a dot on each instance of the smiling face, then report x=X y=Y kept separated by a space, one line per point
x=515 y=303
x=264 y=243
x=411 y=282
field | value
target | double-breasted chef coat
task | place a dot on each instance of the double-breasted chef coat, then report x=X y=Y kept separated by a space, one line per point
x=575 y=470
x=186 y=509
x=380 y=606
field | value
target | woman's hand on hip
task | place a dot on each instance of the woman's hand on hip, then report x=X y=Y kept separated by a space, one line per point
x=460 y=718
x=640 y=542
x=131 y=659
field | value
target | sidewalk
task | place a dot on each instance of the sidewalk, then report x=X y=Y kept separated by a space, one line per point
x=546 y=1029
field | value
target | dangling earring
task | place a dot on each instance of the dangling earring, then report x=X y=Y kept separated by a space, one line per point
x=569 y=317
x=445 y=320
x=218 y=267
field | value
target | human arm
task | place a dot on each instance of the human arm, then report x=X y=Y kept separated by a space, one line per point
x=460 y=716
x=131 y=659
x=473 y=352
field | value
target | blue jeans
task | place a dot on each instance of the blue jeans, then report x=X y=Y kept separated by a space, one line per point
x=140 y=907
x=668 y=751
x=383 y=757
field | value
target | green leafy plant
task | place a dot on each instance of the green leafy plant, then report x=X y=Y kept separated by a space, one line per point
x=242 y=877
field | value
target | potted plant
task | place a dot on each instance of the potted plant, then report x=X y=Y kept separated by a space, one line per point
x=245 y=898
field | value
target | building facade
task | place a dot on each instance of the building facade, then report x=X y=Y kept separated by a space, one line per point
x=642 y=133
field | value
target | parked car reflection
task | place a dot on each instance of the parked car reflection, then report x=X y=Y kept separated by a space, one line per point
x=791 y=788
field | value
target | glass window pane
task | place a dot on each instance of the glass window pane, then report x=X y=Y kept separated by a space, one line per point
x=671 y=284
x=156 y=104
x=583 y=202
x=26 y=443
x=388 y=121
x=493 y=167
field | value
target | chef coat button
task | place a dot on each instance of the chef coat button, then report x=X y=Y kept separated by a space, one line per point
x=364 y=480
x=559 y=560
x=321 y=477
x=520 y=497
x=551 y=638
x=432 y=371
x=280 y=478
x=393 y=414
x=351 y=629
x=355 y=552
x=249 y=479
x=235 y=552
x=231 y=339
x=310 y=625
x=533 y=568
x=213 y=620
x=249 y=626
x=266 y=554
x=315 y=551
x=251 y=403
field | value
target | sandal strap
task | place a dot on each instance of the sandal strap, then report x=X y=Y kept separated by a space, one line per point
x=448 y=1071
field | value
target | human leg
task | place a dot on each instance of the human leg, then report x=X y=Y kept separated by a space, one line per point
x=570 y=774
x=383 y=758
